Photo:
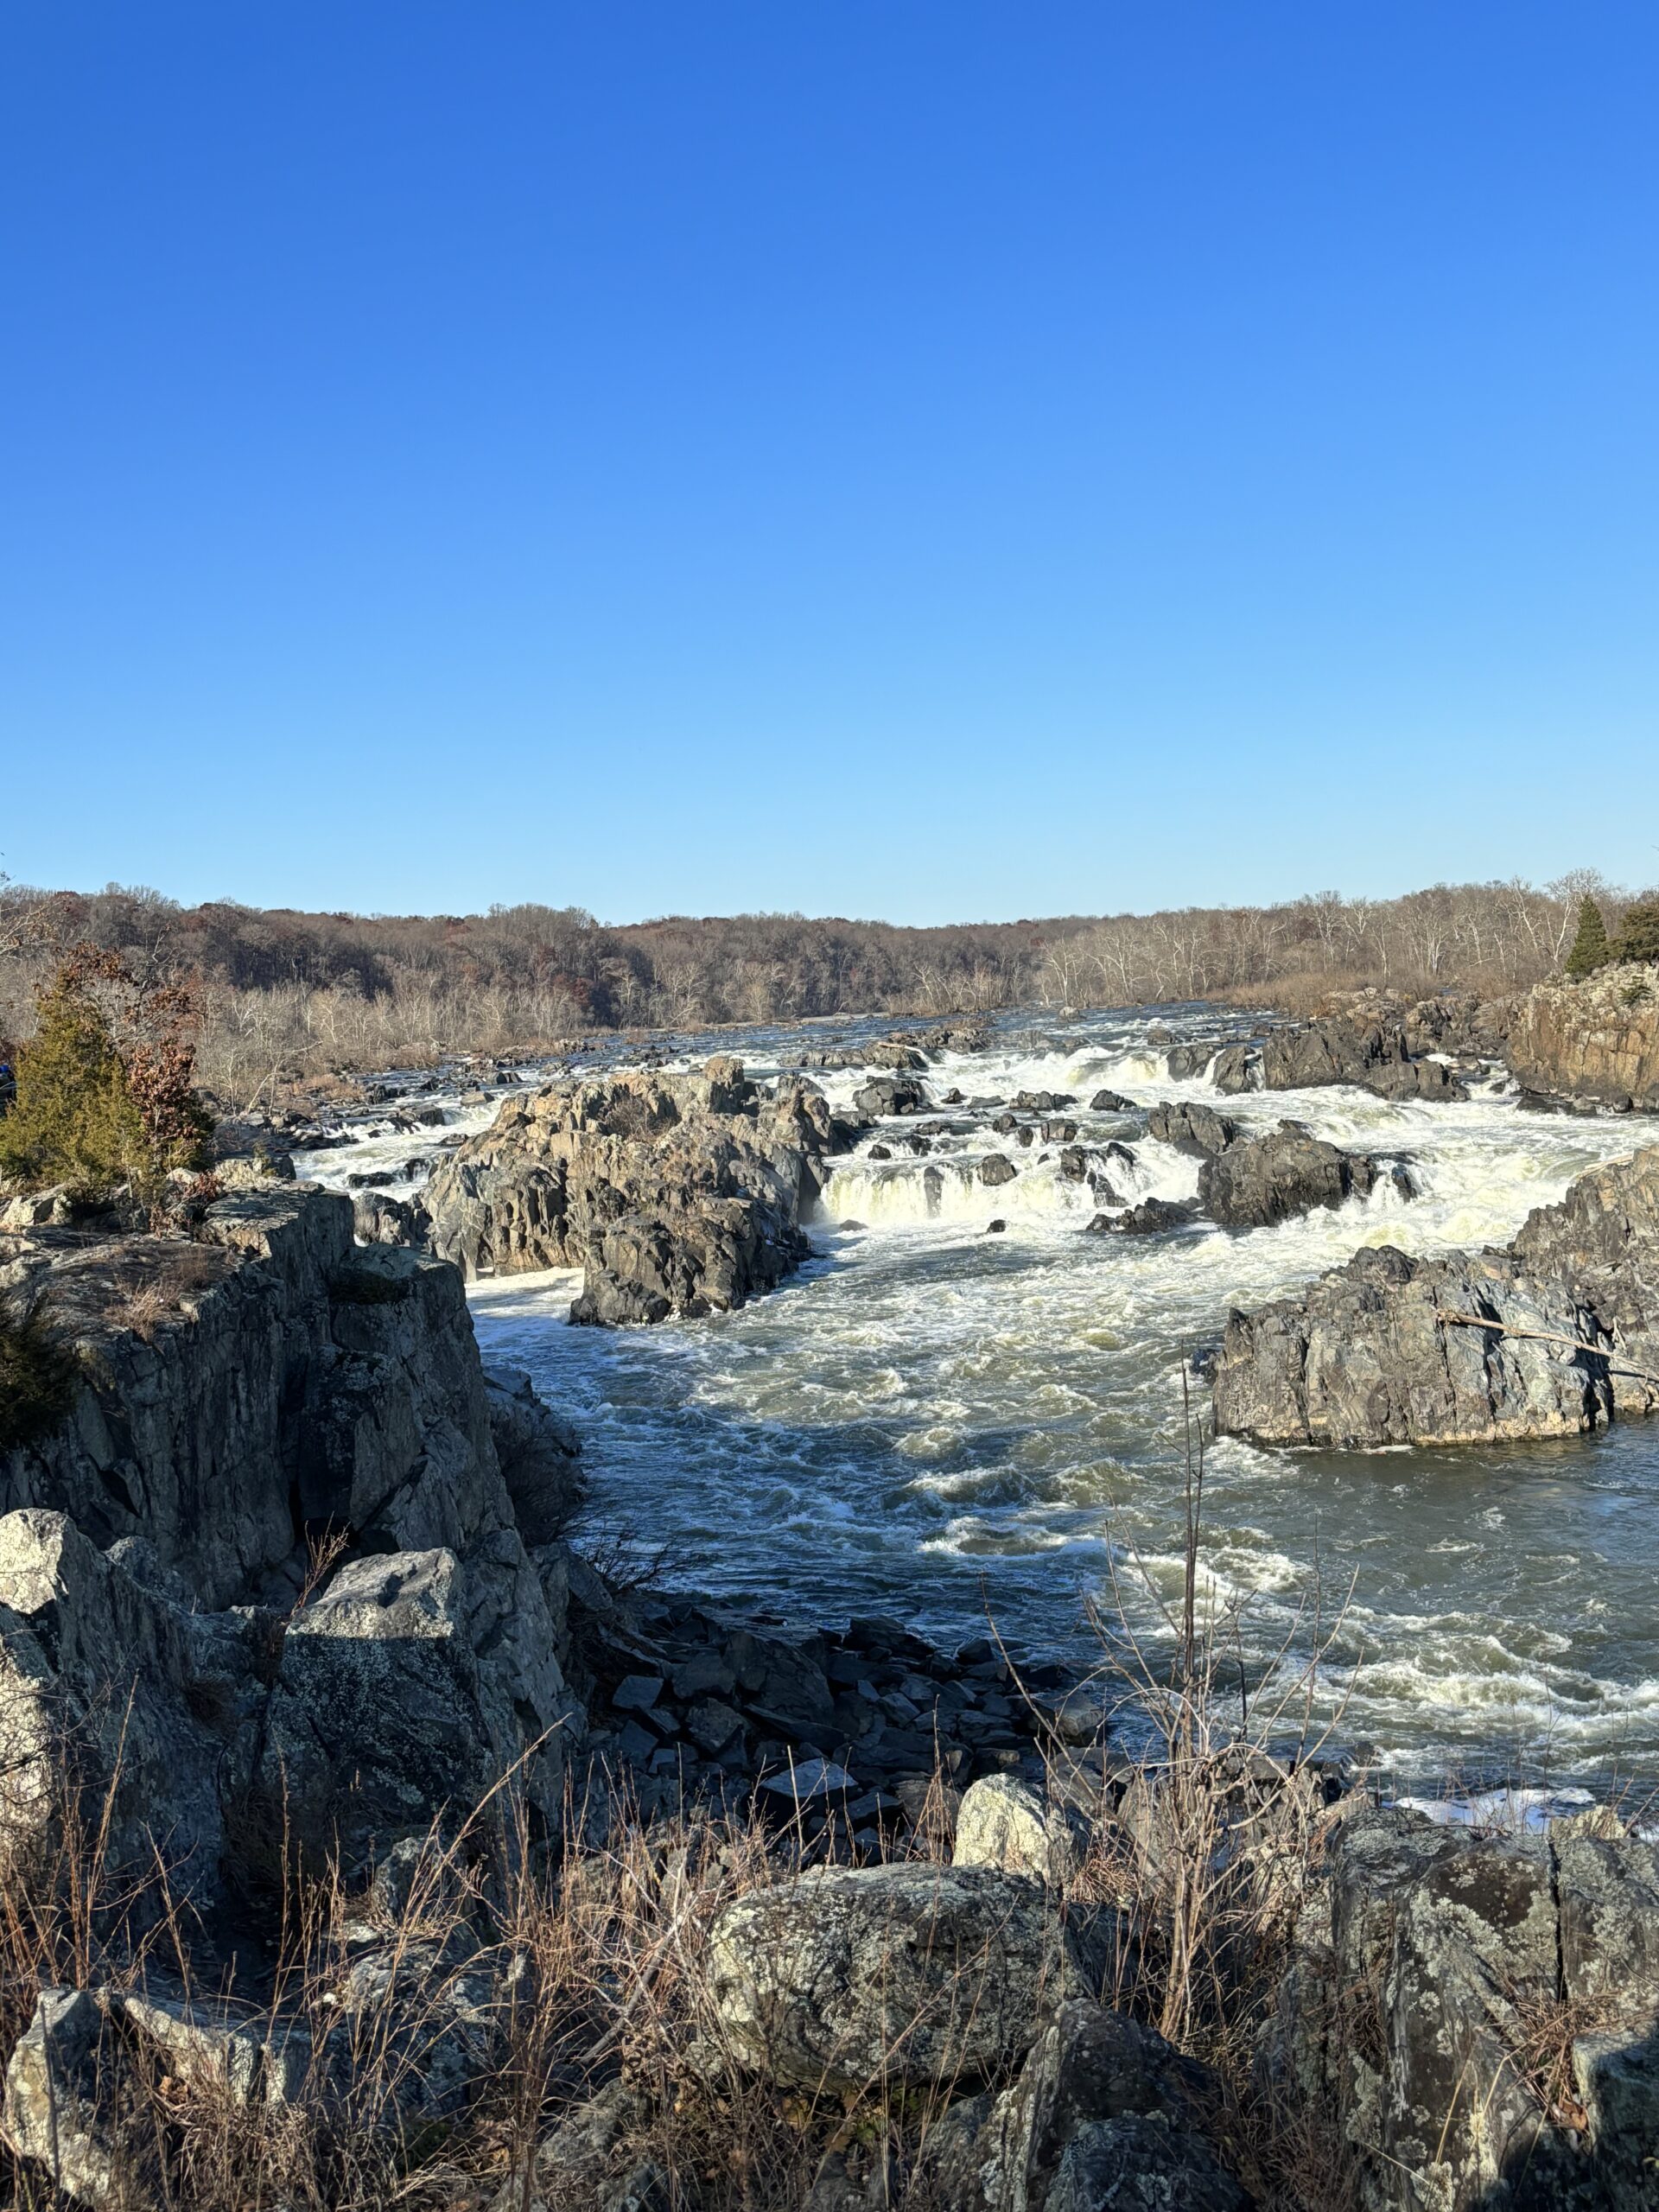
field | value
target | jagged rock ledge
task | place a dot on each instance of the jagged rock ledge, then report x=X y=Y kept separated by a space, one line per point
x=1556 y=1334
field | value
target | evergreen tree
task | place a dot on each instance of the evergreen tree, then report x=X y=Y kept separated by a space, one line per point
x=1638 y=935
x=1589 y=947
x=75 y=1120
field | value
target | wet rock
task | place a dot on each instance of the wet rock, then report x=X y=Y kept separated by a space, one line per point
x=994 y=1169
x=1110 y=1101
x=997 y=1228
x=1197 y=1130
x=1042 y=1101
x=885 y=1095
x=1150 y=1218
x=1349 y=1048
x=1552 y=1338
x=920 y=1973
x=1237 y=1069
x=1187 y=1062
x=1257 y=1180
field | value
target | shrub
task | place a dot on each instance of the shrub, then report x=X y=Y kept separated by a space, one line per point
x=104 y=1090
x=37 y=1378
x=1589 y=947
x=75 y=1120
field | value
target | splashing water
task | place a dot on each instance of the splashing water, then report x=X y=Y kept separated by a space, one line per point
x=940 y=1423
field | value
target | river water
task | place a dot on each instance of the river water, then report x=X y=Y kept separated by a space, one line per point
x=947 y=1425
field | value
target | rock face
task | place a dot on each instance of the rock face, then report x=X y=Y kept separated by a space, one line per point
x=1582 y=1041
x=1482 y=2015
x=1103 y=2113
x=1258 y=1180
x=677 y=1194
x=1365 y=1356
x=155 y=1551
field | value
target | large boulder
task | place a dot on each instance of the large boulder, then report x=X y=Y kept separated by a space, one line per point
x=677 y=1194
x=911 y=1973
x=1554 y=1337
x=1258 y=1180
x=1481 y=2015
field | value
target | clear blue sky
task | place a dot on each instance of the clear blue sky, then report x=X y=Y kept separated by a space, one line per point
x=936 y=460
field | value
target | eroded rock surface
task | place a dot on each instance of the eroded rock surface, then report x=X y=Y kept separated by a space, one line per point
x=1551 y=1338
x=677 y=1194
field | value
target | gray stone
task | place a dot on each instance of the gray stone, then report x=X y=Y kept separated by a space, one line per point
x=1255 y=1181
x=1004 y=1823
x=913 y=1973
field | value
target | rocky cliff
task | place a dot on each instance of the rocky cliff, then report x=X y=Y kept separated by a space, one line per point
x=269 y=1570
x=1596 y=1042
x=677 y=1194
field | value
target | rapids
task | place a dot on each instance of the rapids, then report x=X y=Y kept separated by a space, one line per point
x=935 y=1422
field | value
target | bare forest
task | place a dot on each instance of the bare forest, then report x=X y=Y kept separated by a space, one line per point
x=284 y=994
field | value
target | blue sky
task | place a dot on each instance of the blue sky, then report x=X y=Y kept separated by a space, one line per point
x=936 y=460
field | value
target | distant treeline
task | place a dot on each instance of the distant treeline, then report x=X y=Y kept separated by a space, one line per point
x=287 y=991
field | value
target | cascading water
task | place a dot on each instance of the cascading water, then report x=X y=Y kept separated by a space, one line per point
x=935 y=1422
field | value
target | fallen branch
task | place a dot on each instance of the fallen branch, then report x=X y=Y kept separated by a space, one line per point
x=1542 y=1336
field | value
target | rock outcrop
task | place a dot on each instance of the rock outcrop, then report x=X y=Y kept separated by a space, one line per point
x=1594 y=1043
x=268 y=1568
x=1342 y=1048
x=1255 y=1181
x=1553 y=1336
x=1481 y=2014
x=677 y=1194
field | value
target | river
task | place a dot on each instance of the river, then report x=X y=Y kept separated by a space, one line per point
x=948 y=1425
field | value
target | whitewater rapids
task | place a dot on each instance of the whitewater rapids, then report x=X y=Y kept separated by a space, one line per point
x=939 y=1423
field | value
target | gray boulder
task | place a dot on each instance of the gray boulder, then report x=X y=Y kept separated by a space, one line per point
x=1004 y=1823
x=1255 y=1181
x=539 y=1455
x=913 y=1973
x=1198 y=1130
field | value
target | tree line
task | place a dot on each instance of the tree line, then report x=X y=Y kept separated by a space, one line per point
x=284 y=990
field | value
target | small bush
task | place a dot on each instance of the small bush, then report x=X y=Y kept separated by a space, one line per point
x=75 y=1120
x=37 y=1378
x=104 y=1092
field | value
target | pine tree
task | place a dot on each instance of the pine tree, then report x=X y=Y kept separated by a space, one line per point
x=1589 y=947
x=1638 y=935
